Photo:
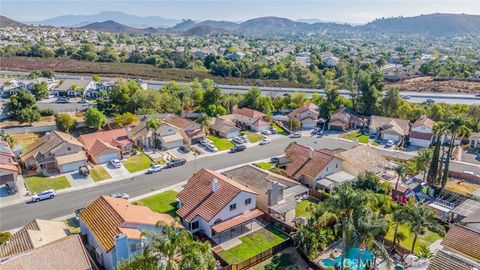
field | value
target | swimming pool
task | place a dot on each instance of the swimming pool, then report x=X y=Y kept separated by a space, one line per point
x=351 y=259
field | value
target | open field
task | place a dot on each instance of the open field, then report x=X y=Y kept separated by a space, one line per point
x=428 y=84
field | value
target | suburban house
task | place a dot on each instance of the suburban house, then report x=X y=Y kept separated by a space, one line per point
x=9 y=168
x=192 y=132
x=307 y=115
x=474 y=140
x=251 y=119
x=361 y=159
x=306 y=165
x=67 y=253
x=276 y=195
x=224 y=128
x=344 y=119
x=388 y=128
x=421 y=132
x=329 y=60
x=35 y=234
x=167 y=136
x=113 y=229
x=103 y=146
x=73 y=87
x=55 y=151
x=95 y=92
x=217 y=206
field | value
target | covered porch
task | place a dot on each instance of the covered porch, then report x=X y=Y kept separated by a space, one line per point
x=237 y=226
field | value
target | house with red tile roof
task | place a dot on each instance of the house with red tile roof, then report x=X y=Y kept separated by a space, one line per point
x=113 y=229
x=251 y=119
x=421 y=132
x=213 y=204
x=103 y=146
x=307 y=115
x=192 y=132
x=9 y=168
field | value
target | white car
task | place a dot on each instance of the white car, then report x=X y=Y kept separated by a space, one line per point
x=154 y=168
x=46 y=194
x=238 y=140
x=295 y=135
x=265 y=141
x=389 y=143
x=212 y=148
x=115 y=163
x=267 y=132
x=120 y=196
x=205 y=142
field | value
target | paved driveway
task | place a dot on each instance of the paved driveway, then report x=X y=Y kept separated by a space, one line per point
x=121 y=172
x=471 y=156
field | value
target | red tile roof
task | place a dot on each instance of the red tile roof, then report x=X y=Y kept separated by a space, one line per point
x=113 y=137
x=198 y=198
x=222 y=226
x=463 y=239
x=303 y=160
x=420 y=135
x=248 y=112
x=99 y=146
x=310 y=107
x=178 y=121
x=9 y=167
x=260 y=122
x=424 y=121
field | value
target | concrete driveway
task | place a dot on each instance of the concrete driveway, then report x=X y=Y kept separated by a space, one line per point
x=121 y=172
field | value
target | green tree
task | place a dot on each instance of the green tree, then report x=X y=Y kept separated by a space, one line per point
x=422 y=161
x=421 y=218
x=391 y=102
x=65 y=122
x=19 y=101
x=95 y=118
x=8 y=139
x=40 y=90
x=204 y=122
x=96 y=78
x=400 y=216
x=251 y=98
x=400 y=171
x=311 y=238
x=153 y=124
x=124 y=119
x=438 y=132
x=370 y=84
x=28 y=115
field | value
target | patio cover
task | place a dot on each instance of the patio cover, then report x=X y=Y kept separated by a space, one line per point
x=325 y=183
x=225 y=225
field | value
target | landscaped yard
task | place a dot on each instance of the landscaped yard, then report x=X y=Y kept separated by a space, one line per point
x=427 y=238
x=164 y=202
x=137 y=163
x=253 y=137
x=253 y=244
x=220 y=143
x=278 y=129
x=264 y=165
x=302 y=208
x=40 y=183
x=355 y=135
x=99 y=173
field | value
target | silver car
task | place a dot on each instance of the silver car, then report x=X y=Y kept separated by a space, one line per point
x=46 y=194
x=120 y=196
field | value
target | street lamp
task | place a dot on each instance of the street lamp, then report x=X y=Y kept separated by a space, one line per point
x=195 y=155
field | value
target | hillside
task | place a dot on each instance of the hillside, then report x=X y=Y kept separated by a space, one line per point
x=7 y=22
x=432 y=24
x=205 y=30
x=269 y=24
x=115 y=27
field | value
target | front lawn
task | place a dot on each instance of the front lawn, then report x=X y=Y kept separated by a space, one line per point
x=99 y=173
x=253 y=137
x=40 y=183
x=427 y=238
x=253 y=244
x=137 y=163
x=302 y=208
x=164 y=202
x=220 y=143
x=357 y=136
x=264 y=165
x=278 y=129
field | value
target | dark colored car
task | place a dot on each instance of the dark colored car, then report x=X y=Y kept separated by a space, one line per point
x=184 y=149
x=176 y=162
x=237 y=148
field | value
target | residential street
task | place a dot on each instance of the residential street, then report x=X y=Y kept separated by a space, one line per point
x=17 y=215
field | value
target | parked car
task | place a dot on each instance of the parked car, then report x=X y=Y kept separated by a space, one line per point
x=120 y=196
x=477 y=95
x=115 y=163
x=154 y=168
x=295 y=135
x=176 y=162
x=83 y=101
x=237 y=148
x=46 y=194
x=389 y=143
x=243 y=137
x=212 y=148
x=430 y=100
x=406 y=97
x=267 y=132
x=265 y=141
x=62 y=100
x=273 y=131
x=205 y=142
x=184 y=149
x=11 y=188
x=83 y=171
x=238 y=140
x=275 y=160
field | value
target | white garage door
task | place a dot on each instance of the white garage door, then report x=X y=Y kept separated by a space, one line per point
x=173 y=144
x=105 y=158
x=391 y=137
x=72 y=166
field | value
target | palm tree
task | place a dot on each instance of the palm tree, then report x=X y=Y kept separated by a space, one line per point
x=420 y=218
x=457 y=127
x=204 y=121
x=400 y=170
x=400 y=215
x=9 y=139
x=422 y=160
x=438 y=132
x=153 y=123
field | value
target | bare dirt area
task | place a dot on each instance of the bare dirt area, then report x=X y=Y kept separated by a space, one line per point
x=428 y=84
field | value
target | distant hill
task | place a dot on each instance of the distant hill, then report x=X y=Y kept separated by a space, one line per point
x=432 y=24
x=227 y=25
x=269 y=24
x=7 y=22
x=115 y=27
x=120 y=17
x=205 y=30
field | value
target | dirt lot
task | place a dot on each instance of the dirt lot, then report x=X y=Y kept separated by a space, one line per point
x=427 y=84
x=44 y=121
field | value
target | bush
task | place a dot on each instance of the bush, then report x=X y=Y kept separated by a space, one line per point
x=47 y=112
x=4 y=237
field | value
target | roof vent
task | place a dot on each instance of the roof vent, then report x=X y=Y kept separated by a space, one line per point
x=214 y=185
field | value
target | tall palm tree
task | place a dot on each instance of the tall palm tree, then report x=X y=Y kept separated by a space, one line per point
x=438 y=132
x=422 y=161
x=400 y=215
x=311 y=239
x=204 y=121
x=420 y=218
x=153 y=124
x=400 y=171
x=457 y=128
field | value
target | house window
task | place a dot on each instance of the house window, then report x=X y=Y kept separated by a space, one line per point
x=136 y=246
x=194 y=225
x=68 y=148
x=327 y=169
x=233 y=206
x=336 y=165
x=248 y=201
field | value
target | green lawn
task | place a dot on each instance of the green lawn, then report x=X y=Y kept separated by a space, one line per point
x=264 y=165
x=278 y=129
x=302 y=208
x=164 y=202
x=355 y=135
x=253 y=137
x=253 y=244
x=427 y=238
x=40 y=183
x=99 y=173
x=220 y=143
x=137 y=163
x=277 y=262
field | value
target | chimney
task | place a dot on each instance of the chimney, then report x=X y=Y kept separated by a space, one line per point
x=214 y=185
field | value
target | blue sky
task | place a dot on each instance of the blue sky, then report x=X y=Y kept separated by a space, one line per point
x=352 y=11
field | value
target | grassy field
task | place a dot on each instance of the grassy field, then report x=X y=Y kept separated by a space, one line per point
x=427 y=238
x=302 y=208
x=253 y=244
x=25 y=139
x=220 y=143
x=253 y=137
x=356 y=136
x=278 y=129
x=137 y=163
x=164 y=202
x=264 y=165
x=461 y=187
x=99 y=173
x=40 y=183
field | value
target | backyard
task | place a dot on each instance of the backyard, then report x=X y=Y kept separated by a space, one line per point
x=137 y=163
x=278 y=129
x=253 y=244
x=164 y=202
x=461 y=187
x=220 y=143
x=303 y=208
x=40 y=183
x=99 y=173
x=253 y=137
x=264 y=165
x=427 y=238
x=25 y=139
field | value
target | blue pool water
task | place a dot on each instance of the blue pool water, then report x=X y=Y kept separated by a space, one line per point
x=351 y=259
